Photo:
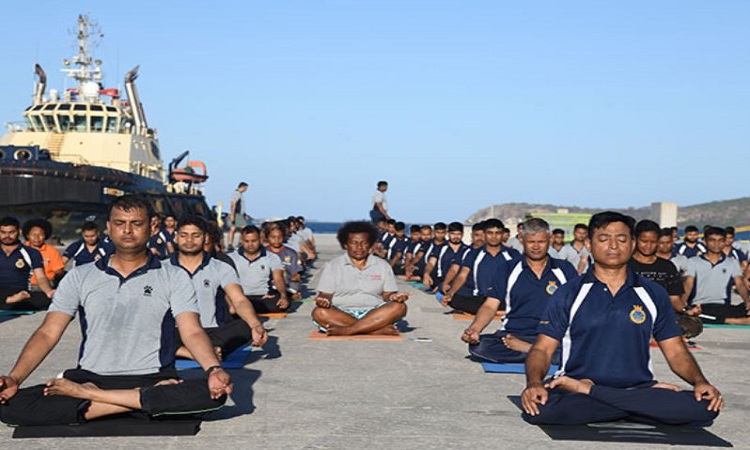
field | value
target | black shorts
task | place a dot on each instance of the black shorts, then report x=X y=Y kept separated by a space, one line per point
x=469 y=304
x=30 y=407
x=229 y=336
x=718 y=313
x=266 y=305
x=38 y=300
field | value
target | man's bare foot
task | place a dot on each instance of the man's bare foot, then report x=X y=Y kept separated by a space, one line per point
x=168 y=382
x=516 y=344
x=390 y=330
x=668 y=386
x=61 y=386
x=336 y=330
x=582 y=386
x=17 y=297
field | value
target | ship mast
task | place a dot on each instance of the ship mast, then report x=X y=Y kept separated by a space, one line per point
x=88 y=72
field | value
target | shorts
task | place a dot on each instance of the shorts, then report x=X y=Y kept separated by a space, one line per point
x=718 y=313
x=356 y=313
x=239 y=221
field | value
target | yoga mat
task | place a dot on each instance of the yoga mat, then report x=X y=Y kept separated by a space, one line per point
x=627 y=431
x=511 y=368
x=273 y=315
x=467 y=316
x=418 y=285
x=235 y=360
x=726 y=326
x=10 y=312
x=306 y=300
x=690 y=347
x=316 y=335
x=114 y=426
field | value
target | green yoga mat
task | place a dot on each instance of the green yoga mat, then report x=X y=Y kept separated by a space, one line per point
x=724 y=325
x=11 y=312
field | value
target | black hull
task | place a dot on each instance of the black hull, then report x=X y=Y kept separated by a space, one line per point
x=67 y=194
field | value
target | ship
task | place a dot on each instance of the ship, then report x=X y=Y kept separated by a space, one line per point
x=78 y=149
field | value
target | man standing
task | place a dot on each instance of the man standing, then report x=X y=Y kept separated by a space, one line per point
x=208 y=276
x=709 y=275
x=129 y=304
x=604 y=321
x=17 y=263
x=238 y=218
x=532 y=280
x=379 y=209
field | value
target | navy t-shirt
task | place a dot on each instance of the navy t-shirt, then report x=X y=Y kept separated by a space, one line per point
x=16 y=268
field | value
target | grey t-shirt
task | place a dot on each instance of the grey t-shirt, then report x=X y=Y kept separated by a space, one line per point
x=211 y=275
x=239 y=200
x=127 y=324
x=711 y=280
x=353 y=288
x=255 y=275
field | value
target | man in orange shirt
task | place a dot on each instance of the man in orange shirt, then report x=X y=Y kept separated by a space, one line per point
x=36 y=232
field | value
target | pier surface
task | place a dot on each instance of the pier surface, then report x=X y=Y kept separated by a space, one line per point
x=298 y=393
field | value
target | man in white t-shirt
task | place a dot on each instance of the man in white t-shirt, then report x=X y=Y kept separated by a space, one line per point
x=379 y=204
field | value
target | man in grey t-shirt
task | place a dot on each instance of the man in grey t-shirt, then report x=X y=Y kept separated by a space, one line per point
x=357 y=292
x=128 y=305
x=238 y=217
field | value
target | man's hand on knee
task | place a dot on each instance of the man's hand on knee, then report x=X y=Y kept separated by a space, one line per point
x=532 y=396
x=219 y=383
x=8 y=388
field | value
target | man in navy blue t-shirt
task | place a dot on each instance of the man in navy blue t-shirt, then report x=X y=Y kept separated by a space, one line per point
x=605 y=320
x=17 y=263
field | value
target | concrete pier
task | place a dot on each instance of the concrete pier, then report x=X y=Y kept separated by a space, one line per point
x=303 y=394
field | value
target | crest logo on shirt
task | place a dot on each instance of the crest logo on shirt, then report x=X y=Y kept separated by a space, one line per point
x=20 y=264
x=147 y=290
x=97 y=257
x=376 y=277
x=637 y=315
x=206 y=283
x=552 y=287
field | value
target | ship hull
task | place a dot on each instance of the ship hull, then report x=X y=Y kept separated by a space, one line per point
x=68 y=194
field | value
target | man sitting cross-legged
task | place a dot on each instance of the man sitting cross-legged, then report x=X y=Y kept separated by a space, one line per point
x=215 y=283
x=357 y=292
x=128 y=304
x=605 y=320
x=526 y=288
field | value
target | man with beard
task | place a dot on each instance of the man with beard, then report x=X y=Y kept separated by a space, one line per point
x=491 y=260
x=532 y=280
x=357 y=291
x=17 y=263
x=477 y=241
x=129 y=303
x=605 y=320
x=209 y=276
x=444 y=255
x=690 y=247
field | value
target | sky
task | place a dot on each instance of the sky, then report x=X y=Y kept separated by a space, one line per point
x=457 y=104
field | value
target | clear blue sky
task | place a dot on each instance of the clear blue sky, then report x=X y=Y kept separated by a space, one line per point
x=458 y=104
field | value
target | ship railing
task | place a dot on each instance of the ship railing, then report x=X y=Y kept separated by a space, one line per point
x=12 y=127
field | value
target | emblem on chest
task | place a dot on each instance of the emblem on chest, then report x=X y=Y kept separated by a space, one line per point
x=552 y=287
x=637 y=315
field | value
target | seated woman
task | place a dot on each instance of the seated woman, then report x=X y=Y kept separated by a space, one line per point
x=357 y=292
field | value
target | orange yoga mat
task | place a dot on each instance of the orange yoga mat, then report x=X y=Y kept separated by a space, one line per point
x=273 y=315
x=316 y=335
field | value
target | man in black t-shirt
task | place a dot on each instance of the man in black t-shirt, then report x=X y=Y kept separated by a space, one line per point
x=663 y=272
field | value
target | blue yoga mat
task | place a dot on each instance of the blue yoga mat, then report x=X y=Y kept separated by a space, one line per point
x=418 y=285
x=235 y=360
x=11 y=312
x=511 y=368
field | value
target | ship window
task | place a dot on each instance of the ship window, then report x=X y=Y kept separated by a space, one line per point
x=64 y=107
x=80 y=122
x=37 y=107
x=111 y=109
x=49 y=107
x=97 y=108
x=49 y=121
x=111 y=124
x=79 y=107
x=29 y=124
x=97 y=123
x=37 y=123
x=64 y=120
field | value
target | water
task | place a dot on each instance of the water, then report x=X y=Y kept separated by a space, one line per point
x=324 y=227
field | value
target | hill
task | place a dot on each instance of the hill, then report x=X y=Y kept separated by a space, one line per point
x=722 y=213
